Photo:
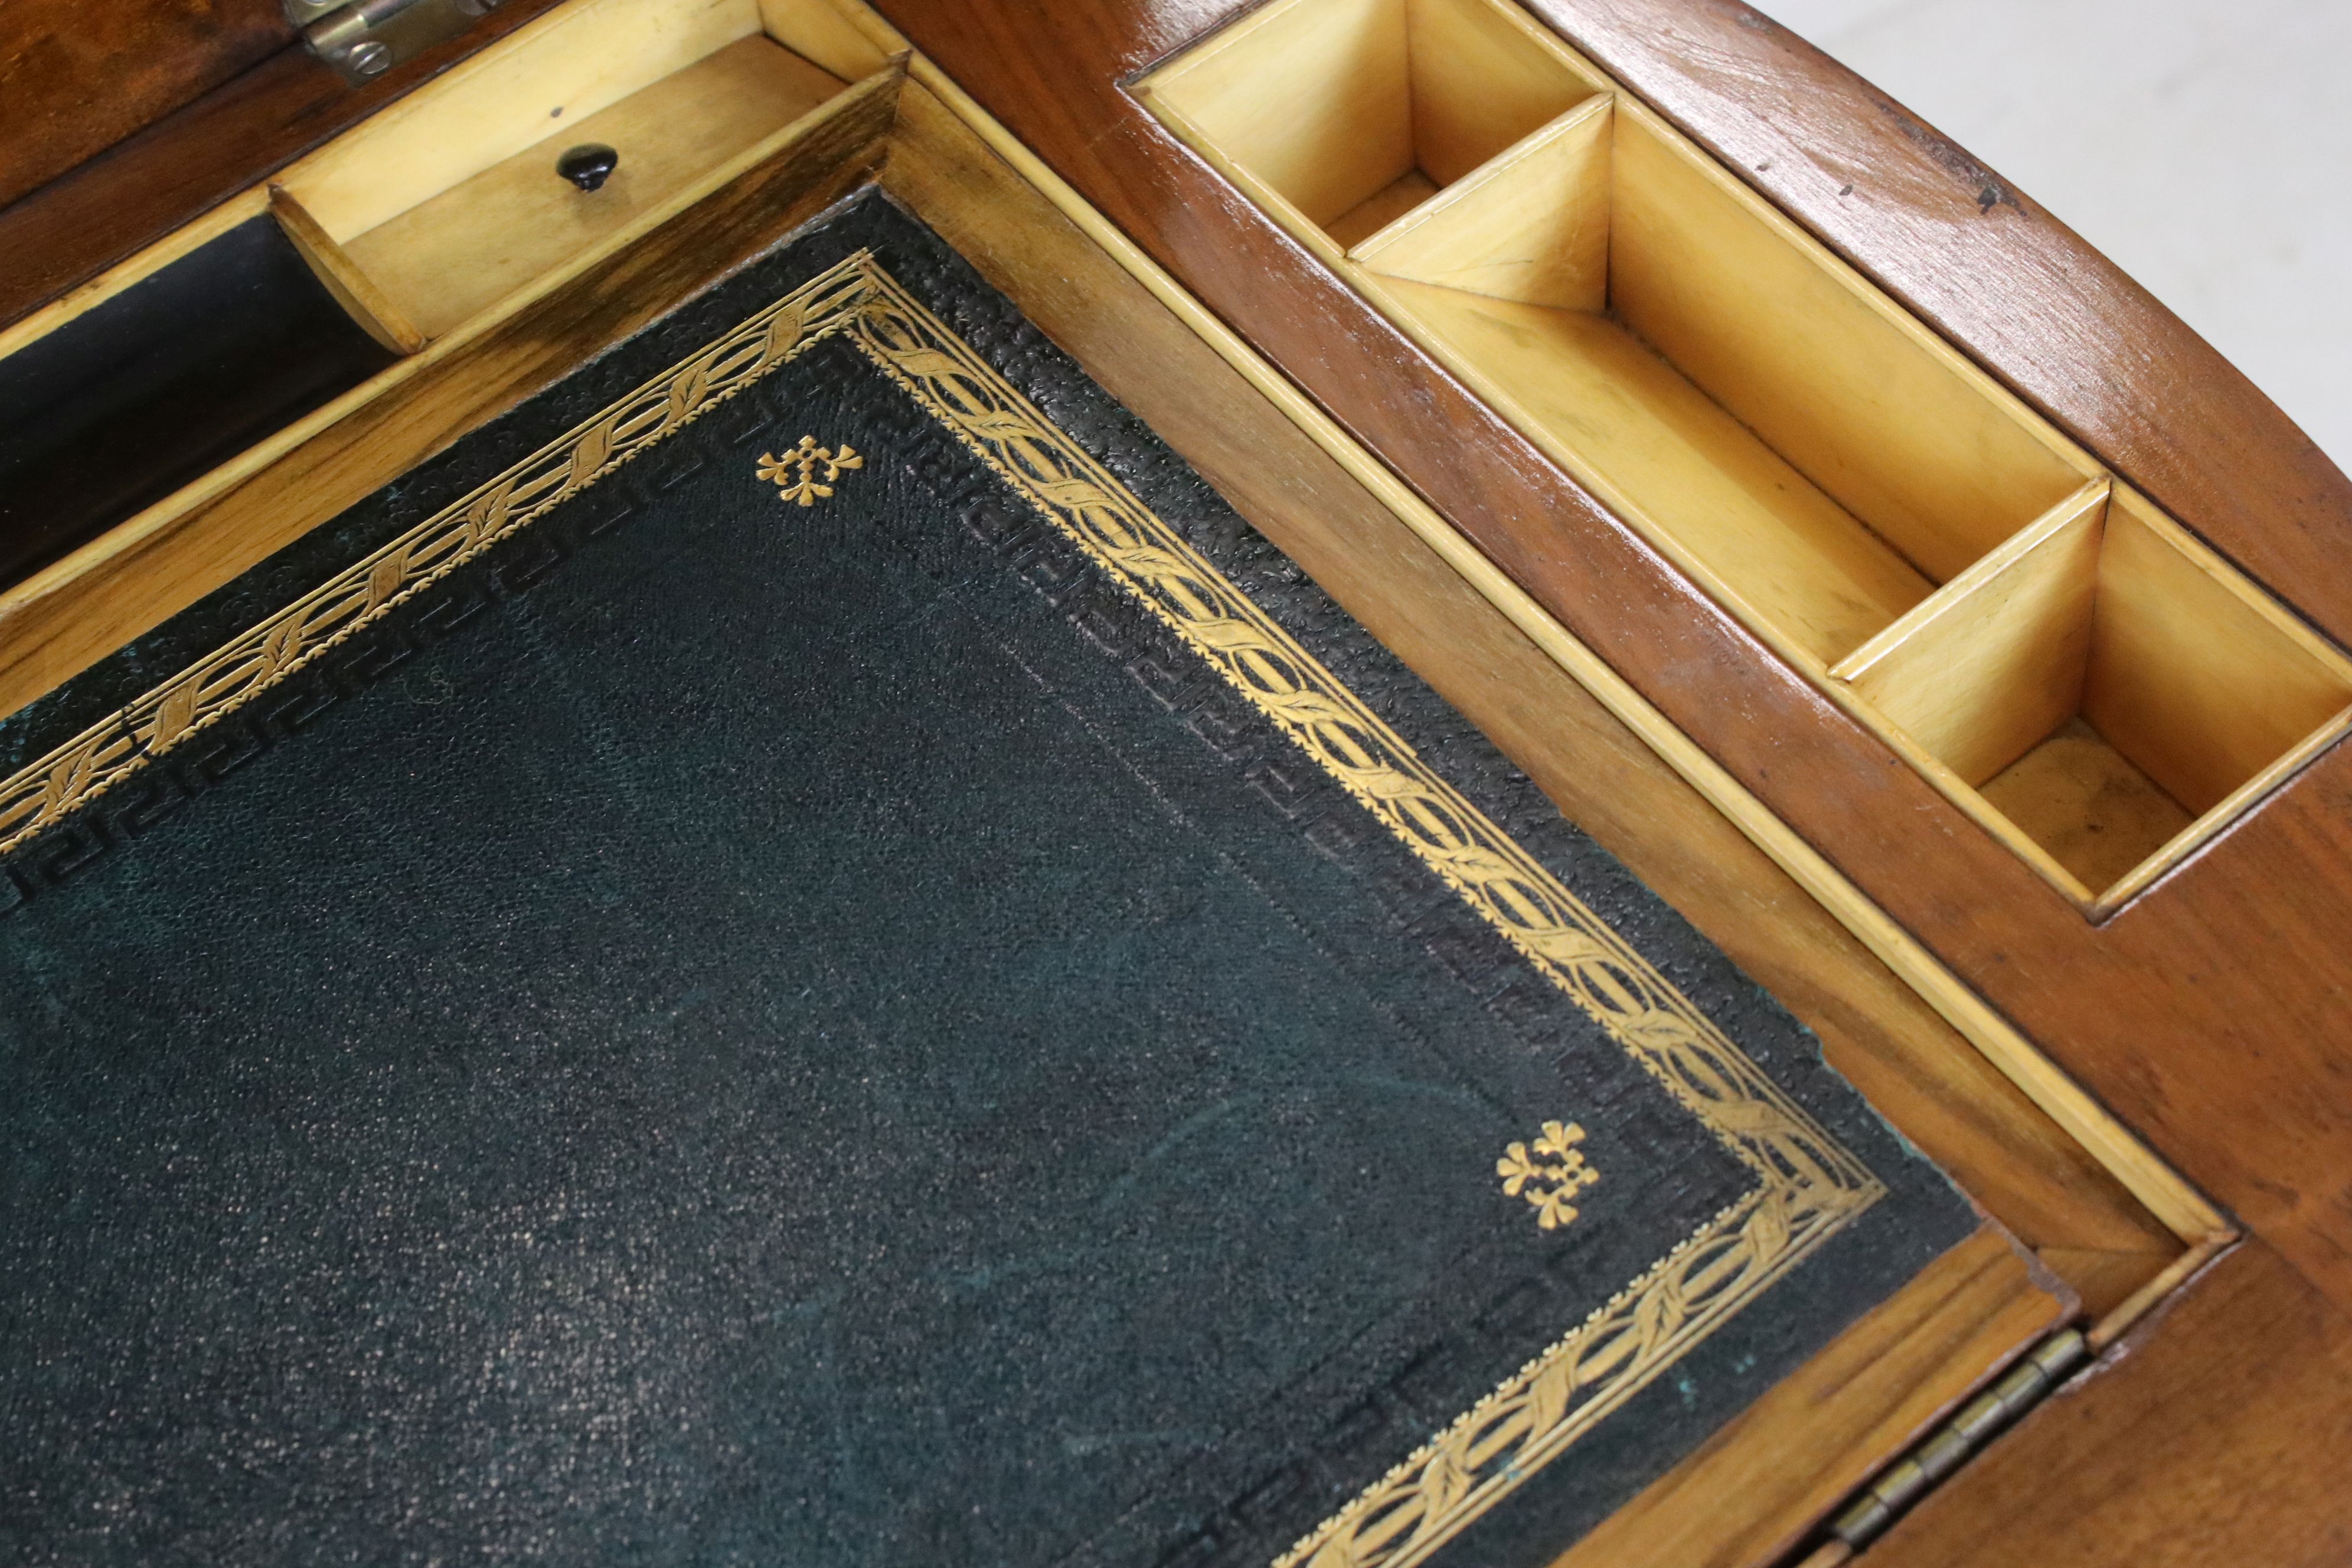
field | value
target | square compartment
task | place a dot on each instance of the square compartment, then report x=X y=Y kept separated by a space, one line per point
x=2112 y=687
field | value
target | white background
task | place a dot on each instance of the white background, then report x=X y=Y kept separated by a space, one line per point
x=2204 y=145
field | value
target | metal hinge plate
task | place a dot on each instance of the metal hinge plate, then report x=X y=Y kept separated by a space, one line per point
x=1979 y=1421
x=364 y=39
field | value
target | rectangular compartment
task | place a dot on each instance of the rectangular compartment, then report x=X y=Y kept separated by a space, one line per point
x=1823 y=466
x=1819 y=461
x=2109 y=686
x=456 y=206
x=1819 y=464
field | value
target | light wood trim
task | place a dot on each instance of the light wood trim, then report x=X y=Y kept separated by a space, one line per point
x=2122 y=1319
x=1531 y=225
x=353 y=289
x=241 y=208
x=2238 y=803
x=1758 y=1487
x=1863 y=659
x=528 y=89
x=1994 y=661
x=1964 y=795
x=2175 y=1202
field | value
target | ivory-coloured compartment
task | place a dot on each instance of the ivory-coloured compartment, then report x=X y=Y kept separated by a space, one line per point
x=1816 y=458
x=443 y=215
x=2109 y=686
x=1351 y=112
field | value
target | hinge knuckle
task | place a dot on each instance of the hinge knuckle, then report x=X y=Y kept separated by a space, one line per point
x=1977 y=1423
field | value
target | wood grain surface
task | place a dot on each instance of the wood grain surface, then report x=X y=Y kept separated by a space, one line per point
x=2219 y=1432
x=2208 y=1012
x=2004 y=278
x=75 y=78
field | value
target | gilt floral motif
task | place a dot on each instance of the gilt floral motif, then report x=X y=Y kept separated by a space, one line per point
x=1550 y=1174
x=796 y=475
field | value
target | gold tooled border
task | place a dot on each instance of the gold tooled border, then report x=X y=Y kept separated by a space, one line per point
x=1808 y=1185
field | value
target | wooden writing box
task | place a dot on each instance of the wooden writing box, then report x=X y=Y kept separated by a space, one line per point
x=1939 y=592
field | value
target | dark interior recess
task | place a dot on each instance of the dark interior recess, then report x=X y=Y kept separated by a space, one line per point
x=127 y=402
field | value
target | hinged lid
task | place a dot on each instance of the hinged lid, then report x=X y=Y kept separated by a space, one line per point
x=364 y=39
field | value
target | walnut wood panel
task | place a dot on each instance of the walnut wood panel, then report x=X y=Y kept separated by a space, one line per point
x=192 y=158
x=75 y=78
x=2208 y=1012
x=1923 y=1076
x=2219 y=1432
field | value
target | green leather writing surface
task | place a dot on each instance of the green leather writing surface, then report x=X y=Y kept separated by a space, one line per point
x=805 y=952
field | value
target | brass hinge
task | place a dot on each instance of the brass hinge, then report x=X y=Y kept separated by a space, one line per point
x=1979 y=1421
x=364 y=39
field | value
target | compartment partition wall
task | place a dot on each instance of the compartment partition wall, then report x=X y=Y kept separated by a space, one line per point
x=2091 y=683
